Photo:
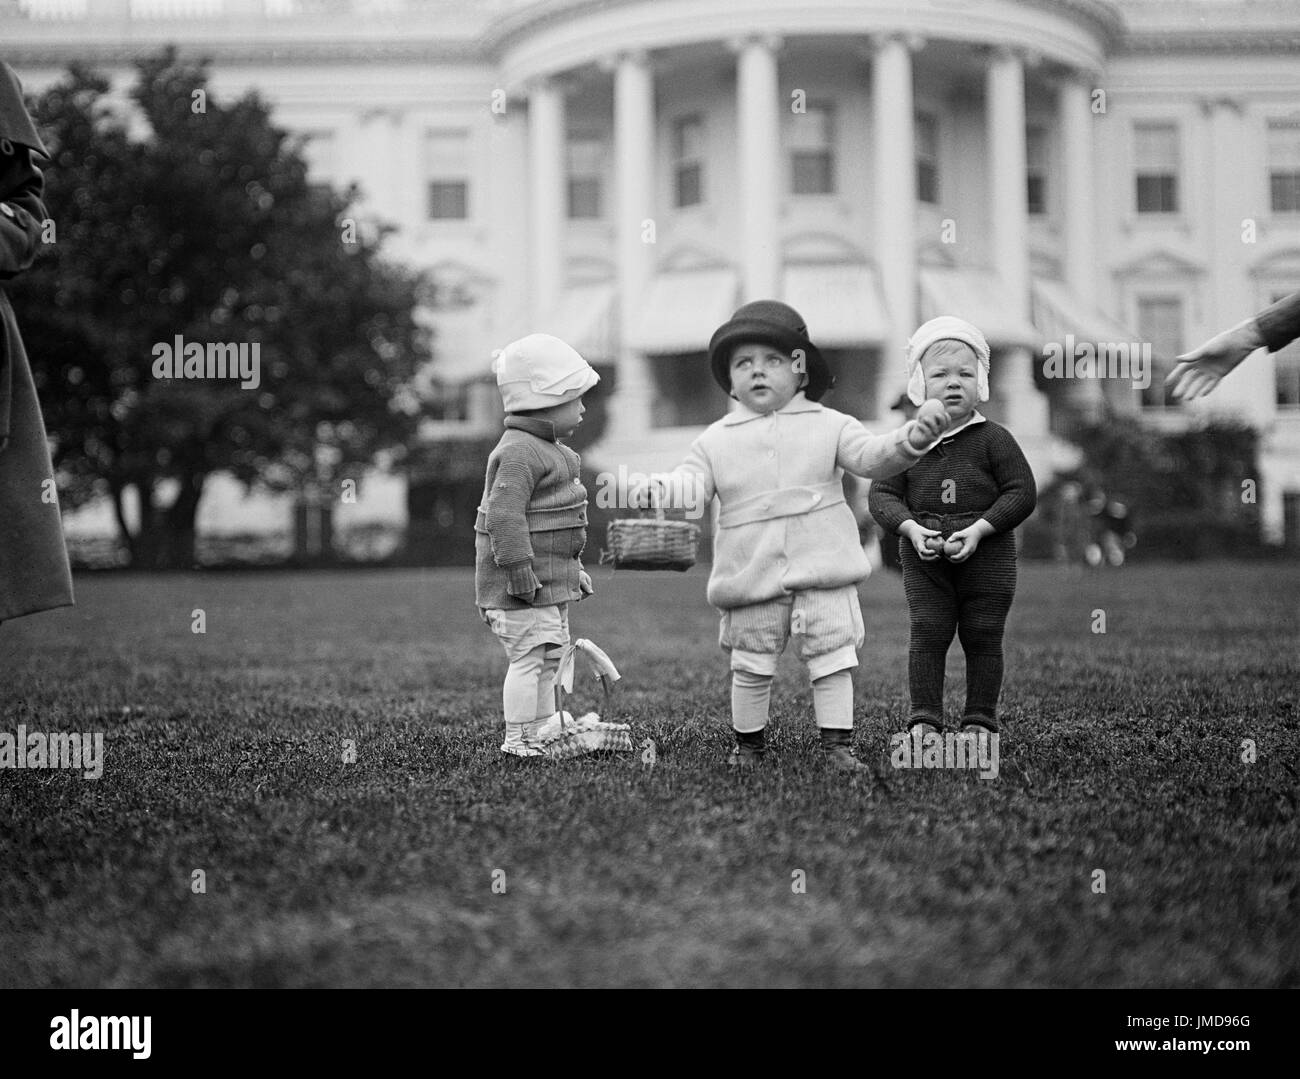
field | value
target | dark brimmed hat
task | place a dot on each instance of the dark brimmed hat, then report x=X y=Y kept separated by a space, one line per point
x=768 y=322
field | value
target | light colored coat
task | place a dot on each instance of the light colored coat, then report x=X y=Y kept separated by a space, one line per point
x=783 y=524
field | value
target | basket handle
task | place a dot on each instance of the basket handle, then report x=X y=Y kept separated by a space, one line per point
x=600 y=663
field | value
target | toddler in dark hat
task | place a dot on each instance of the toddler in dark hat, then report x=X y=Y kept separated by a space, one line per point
x=787 y=558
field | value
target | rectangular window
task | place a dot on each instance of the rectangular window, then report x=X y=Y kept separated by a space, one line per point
x=1284 y=165
x=1157 y=168
x=927 y=158
x=1160 y=324
x=1286 y=371
x=1291 y=520
x=586 y=177
x=1036 y=169
x=688 y=165
x=812 y=150
x=446 y=165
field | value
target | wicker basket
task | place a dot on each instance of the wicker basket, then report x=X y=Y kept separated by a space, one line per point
x=651 y=543
x=566 y=737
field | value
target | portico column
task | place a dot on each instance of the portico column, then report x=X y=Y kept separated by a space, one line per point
x=894 y=178
x=547 y=203
x=634 y=162
x=1074 y=120
x=761 y=165
x=1025 y=408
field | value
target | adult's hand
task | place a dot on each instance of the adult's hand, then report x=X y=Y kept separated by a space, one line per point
x=1199 y=371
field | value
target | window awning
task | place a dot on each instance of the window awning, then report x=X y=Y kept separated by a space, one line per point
x=980 y=298
x=1057 y=311
x=840 y=302
x=682 y=309
x=585 y=320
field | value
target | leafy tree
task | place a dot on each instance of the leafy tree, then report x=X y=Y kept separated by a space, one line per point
x=205 y=226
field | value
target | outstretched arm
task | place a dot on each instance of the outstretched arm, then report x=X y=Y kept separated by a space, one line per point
x=1200 y=370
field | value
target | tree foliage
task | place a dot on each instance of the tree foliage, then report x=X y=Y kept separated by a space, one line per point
x=192 y=217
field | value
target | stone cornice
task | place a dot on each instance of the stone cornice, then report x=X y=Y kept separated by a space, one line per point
x=1102 y=16
x=1196 y=40
x=250 y=50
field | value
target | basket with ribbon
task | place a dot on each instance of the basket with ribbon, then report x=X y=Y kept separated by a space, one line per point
x=563 y=736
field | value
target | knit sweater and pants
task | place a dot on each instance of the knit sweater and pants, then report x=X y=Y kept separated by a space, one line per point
x=530 y=531
x=978 y=471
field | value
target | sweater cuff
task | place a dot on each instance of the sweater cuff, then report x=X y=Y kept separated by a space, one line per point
x=523 y=581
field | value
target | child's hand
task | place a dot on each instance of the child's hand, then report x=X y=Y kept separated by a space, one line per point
x=584 y=584
x=921 y=540
x=931 y=421
x=967 y=540
x=645 y=493
x=523 y=583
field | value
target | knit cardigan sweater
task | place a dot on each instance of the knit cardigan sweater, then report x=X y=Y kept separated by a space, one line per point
x=989 y=477
x=532 y=521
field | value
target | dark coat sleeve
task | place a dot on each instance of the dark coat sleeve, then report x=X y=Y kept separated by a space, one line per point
x=1279 y=324
x=22 y=213
x=21 y=217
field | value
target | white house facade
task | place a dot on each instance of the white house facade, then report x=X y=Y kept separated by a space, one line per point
x=1077 y=176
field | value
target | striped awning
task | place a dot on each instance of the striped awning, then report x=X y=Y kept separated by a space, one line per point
x=585 y=319
x=979 y=297
x=840 y=302
x=682 y=309
x=1057 y=312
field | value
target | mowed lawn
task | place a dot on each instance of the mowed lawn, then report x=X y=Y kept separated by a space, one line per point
x=1122 y=752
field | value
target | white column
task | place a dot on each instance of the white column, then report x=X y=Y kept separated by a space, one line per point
x=894 y=179
x=1078 y=254
x=372 y=162
x=508 y=212
x=547 y=210
x=634 y=165
x=761 y=164
x=1074 y=120
x=1025 y=409
x=1005 y=89
x=1231 y=296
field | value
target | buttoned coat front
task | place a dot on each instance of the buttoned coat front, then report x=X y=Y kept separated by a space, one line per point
x=783 y=524
x=34 y=573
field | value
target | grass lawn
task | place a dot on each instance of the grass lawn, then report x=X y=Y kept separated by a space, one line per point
x=1122 y=752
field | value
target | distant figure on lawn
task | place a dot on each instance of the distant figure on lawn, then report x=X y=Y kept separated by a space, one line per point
x=531 y=528
x=955 y=513
x=34 y=573
x=1200 y=370
x=787 y=557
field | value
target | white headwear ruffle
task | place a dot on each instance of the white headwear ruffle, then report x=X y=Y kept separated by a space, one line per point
x=945 y=328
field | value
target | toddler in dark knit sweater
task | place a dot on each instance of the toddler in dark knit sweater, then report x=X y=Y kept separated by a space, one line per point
x=955 y=511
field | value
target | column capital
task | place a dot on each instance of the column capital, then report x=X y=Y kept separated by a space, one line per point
x=910 y=41
x=1007 y=53
x=1212 y=104
x=560 y=82
x=613 y=61
x=1063 y=77
x=771 y=42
